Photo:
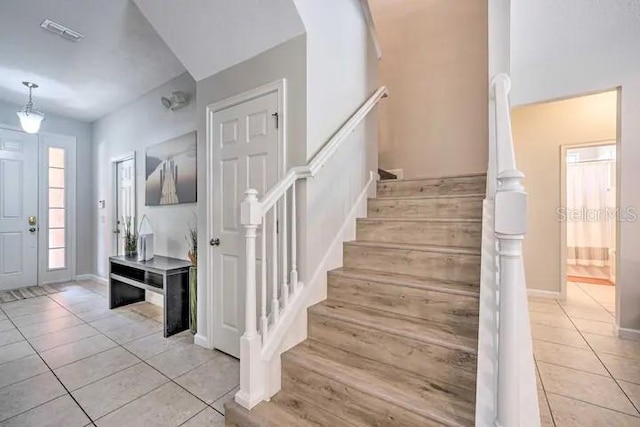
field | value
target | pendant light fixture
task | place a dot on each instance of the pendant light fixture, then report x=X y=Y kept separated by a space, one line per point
x=30 y=117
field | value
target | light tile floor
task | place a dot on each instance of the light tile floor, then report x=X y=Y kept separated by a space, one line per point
x=67 y=360
x=586 y=375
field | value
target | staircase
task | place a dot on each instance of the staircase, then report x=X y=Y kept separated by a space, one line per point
x=395 y=343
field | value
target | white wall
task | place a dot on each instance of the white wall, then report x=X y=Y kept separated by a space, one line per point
x=563 y=48
x=572 y=47
x=131 y=128
x=84 y=176
x=435 y=64
x=342 y=72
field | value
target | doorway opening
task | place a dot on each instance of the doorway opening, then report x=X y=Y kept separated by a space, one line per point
x=124 y=196
x=590 y=179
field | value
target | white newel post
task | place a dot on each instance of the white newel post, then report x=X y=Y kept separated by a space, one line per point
x=252 y=373
x=510 y=228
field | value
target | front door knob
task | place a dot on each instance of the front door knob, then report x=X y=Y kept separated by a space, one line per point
x=214 y=242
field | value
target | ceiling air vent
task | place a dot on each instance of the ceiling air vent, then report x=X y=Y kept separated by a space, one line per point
x=61 y=30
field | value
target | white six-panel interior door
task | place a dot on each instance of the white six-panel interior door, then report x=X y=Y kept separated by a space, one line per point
x=37 y=209
x=244 y=149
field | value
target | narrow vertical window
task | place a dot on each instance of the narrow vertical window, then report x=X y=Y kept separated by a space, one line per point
x=57 y=213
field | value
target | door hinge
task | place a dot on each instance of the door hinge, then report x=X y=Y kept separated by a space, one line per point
x=277 y=117
x=277 y=227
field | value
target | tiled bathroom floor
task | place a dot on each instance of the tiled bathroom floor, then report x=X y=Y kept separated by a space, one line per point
x=586 y=375
x=67 y=360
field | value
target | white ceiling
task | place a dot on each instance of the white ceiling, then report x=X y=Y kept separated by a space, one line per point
x=211 y=35
x=120 y=58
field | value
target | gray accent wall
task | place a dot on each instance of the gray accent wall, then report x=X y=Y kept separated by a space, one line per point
x=130 y=128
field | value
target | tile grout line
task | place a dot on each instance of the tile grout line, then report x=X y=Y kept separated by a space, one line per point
x=170 y=380
x=155 y=369
x=593 y=404
x=56 y=377
x=600 y=360
x=596 y=301
x=544 y=392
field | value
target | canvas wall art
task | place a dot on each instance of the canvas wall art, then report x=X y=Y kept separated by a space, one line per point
x=171 y=175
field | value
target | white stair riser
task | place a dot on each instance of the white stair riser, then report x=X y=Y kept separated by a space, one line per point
x=353 y=405
x=459 y=234
x=428 y=360
x=440 y=307
x=431 y=187
x=436 y=265
x=455 y=207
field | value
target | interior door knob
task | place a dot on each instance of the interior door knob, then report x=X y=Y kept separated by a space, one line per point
x=214 y=242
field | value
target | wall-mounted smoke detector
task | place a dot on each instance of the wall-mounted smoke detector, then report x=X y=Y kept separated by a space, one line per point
x=61 y=30
x=176 y=101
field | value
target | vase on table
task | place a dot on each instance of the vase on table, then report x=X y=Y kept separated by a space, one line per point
x=130 y=253
x=193 y=299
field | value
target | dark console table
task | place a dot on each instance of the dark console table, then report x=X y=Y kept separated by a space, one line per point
x=129 y=279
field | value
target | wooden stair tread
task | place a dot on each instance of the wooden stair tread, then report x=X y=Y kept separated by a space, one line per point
x=426 y=331
x=451 y=287
x=415 y=247
x=265 y=414
x=423 y=220
x=310 y=411
x=432 y=196
x=440 y=402
x=480 y=176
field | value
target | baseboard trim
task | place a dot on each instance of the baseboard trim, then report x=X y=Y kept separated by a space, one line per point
x=93 y=277
x=154 y=298
x=202 y=341
x=538 y=293
x=626 y=333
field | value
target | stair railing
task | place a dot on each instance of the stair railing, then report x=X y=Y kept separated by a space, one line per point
x=516 y=390
x=276 y=306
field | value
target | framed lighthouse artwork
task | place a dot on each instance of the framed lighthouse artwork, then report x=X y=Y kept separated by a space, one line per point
x=170 y=170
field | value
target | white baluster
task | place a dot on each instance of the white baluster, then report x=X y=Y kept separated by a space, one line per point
x=264 y=321
x=284 y=244
x=252 y=372
x=275 y=303
x=294 y=241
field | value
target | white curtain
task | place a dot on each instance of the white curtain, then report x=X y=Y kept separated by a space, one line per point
x=591 y=214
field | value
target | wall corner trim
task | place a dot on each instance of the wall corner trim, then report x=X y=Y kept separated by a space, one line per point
x=202 y=341
x=626 y=333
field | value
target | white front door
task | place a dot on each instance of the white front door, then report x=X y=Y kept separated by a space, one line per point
x=244 y=154
x=18 y=209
